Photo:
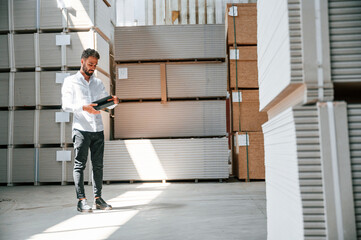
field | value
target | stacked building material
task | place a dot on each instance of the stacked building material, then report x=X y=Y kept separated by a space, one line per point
x=173 y=91
x=42 y=44
x=248 y=157
x=307 y=59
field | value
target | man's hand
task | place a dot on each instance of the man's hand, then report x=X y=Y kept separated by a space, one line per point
x=89 y=108
x=115 y=99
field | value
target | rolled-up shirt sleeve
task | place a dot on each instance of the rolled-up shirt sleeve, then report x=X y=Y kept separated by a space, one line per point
x=67 y=98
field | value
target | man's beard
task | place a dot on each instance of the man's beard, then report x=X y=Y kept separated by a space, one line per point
x=85 y=69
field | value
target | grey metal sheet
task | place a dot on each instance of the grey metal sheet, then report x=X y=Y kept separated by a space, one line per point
x=4 y=51
x=3 y=165
x=24 y=50
x=23 y=165
x=24 y=127
x=4 y=16
x=47 y=45
x=102 y=18
x=4 y=119
x=24 y=14
x=24 y=89
x=4 y=89
x=50 y=170
x=345 y=40
x=169 y=42
x=50 y=15
x=197 y=80
x=159 y=159
x=173 y=119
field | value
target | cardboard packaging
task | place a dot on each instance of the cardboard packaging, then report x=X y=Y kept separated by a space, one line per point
x=255 y=144
x=247 y=71
x=245 y=105
x=246 y=23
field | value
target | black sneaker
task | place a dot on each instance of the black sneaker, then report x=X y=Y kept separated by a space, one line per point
x=83 y=206
x=101 y=204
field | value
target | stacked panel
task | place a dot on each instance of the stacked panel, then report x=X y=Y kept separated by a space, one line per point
x=169 y=42
x=173 y=85
x=241 y=27
x=166 y=159
x=290 y=52
x=31 y=81
x=174 y=119
x=354 y=131
x=308 y=174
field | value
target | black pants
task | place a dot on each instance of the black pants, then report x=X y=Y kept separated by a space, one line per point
x=82 y=142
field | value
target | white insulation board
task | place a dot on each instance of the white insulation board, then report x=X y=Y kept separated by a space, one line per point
x=172 y=119
x=354 y=131
x=306 y=198
x=162 y=159
x=169 y=42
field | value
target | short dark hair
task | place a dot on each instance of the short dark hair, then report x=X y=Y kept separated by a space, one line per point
x=90 y=53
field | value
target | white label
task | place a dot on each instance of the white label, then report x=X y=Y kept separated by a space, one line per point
x=62 y=117
x=234 y=54
x=243 y=140
x=233 y=11
x=122 y=73
x=63 y=155
x=63 y=3
x=62 y=40
x=60 y=77
x=237 y=97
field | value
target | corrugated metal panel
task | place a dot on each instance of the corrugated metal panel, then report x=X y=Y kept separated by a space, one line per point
x=143 y=82
x=4 y=119
x=23 y=165
x=47 y=44
x=354 y=130
x=24 y=50
x=24 y=89
x=24 y=127
x=4 y=51
x=169 y=42
x=345 y=40
x=50 y=15
x=50 y=170
x=4 y=89
x=24 y=14
x=166 y=159
x=4 y=16
x=173 y=119
x=3 y=165
x=197 y=80
x=50 y=91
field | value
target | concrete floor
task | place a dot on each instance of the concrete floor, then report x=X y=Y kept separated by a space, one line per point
x=170 y=211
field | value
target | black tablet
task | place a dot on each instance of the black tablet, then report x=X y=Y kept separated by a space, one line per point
x=103 y=103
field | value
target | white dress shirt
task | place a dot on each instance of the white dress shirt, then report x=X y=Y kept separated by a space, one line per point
x=77 y=92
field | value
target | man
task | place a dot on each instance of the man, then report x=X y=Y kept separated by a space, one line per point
x=78 y=93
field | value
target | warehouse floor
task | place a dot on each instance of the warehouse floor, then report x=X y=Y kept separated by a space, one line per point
x=205 y=210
